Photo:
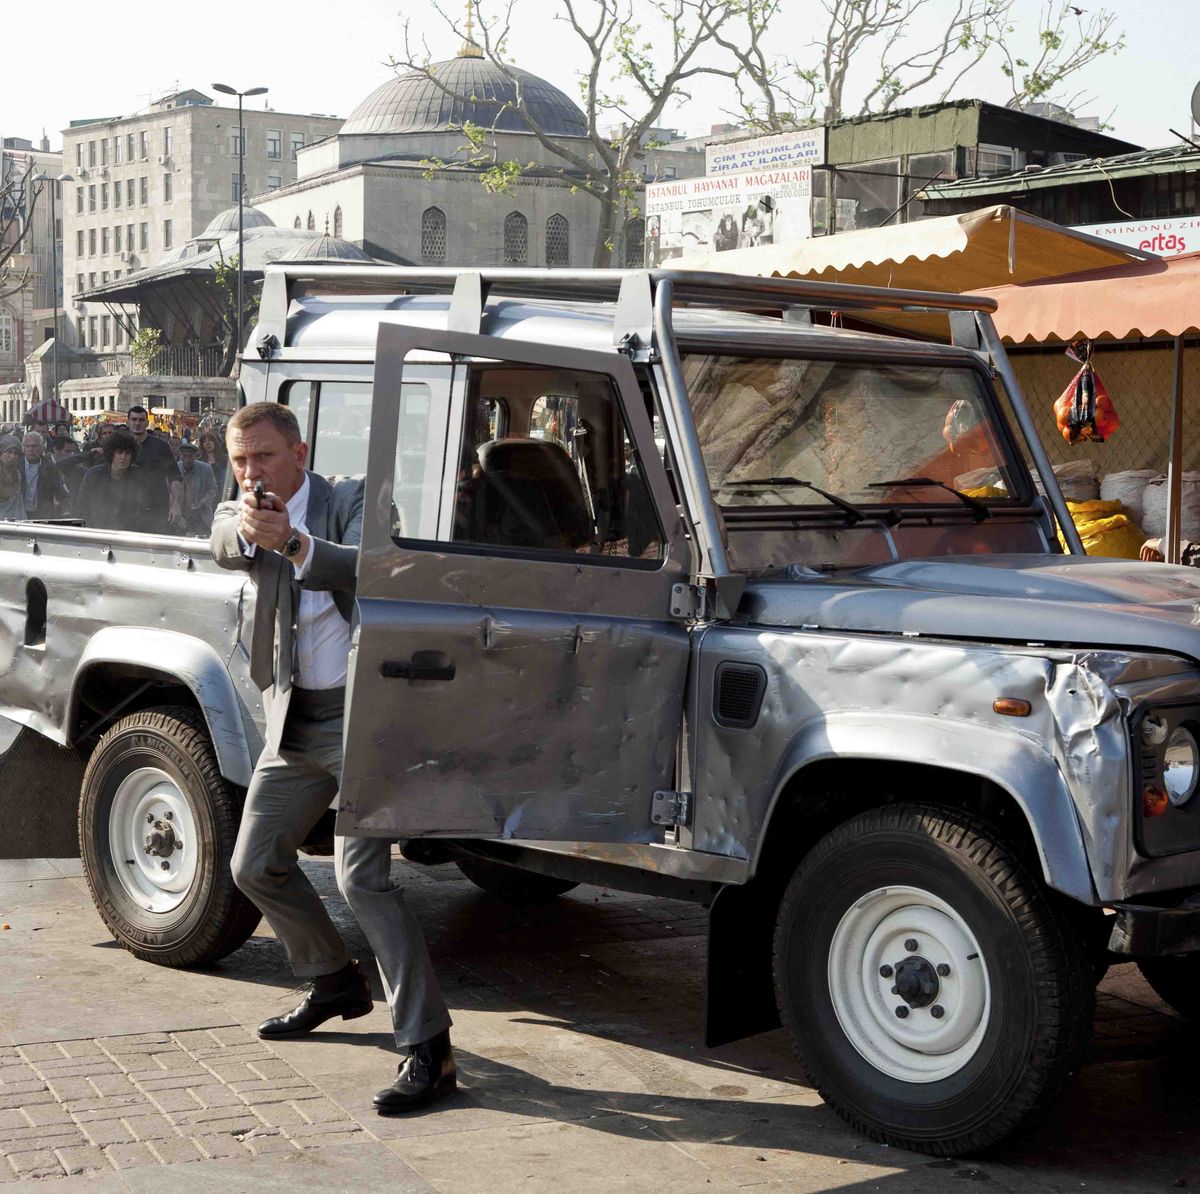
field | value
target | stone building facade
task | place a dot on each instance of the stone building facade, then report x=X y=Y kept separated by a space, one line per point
x=146 y=184
x=27 y=314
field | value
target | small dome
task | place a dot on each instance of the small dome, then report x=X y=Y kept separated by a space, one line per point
x=227 y=221
x=413 y=103
x=325 y=248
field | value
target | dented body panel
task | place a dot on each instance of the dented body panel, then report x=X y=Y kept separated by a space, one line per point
x=120 y=609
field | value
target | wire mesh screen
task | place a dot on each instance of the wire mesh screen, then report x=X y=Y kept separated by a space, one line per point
x=1140 y=380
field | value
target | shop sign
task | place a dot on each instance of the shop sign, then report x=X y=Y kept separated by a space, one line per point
x=1164 y=238
x=727 y=211
x=806 y=147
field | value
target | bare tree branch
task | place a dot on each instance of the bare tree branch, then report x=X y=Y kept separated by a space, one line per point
x=653 y=47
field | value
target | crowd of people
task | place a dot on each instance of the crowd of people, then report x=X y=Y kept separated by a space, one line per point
x=122 y=476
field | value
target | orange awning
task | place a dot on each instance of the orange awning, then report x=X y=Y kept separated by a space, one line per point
x=1147 y=298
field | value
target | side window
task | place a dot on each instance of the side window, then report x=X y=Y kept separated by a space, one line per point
x=335 y=420
x=417 y=479
x=548 y=465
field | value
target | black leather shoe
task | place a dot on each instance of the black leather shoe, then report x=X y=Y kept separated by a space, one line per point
x=425 y=1075
x=346 y=993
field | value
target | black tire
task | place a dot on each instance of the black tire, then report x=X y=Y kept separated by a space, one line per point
x=1176 y=981
x=1041 y=990
x=511 y=885
x=212 y=918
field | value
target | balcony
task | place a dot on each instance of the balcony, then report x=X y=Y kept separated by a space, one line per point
x=166 y=362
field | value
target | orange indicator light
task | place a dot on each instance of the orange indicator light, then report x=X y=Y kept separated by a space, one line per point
x=1012 y=707
x=1155 y=801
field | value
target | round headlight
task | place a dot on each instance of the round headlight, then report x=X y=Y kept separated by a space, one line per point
x=1181 y=766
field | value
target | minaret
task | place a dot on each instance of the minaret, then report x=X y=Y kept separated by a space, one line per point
x=470 y=49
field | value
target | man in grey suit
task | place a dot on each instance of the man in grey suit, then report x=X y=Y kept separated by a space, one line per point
x=297 y=537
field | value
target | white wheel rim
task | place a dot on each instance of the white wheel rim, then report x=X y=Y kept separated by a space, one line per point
x=872 y=940
x=153 y=839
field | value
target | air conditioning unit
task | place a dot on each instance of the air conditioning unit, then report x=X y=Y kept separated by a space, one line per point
x=164 y=159
x=83 y=172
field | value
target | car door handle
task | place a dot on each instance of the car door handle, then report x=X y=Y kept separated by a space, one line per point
x=424 y=665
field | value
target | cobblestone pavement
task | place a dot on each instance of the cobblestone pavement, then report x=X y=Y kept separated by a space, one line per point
x=578 y=1035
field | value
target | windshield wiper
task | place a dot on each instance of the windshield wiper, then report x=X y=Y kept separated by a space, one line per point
x=852 y=512
x=977 y=508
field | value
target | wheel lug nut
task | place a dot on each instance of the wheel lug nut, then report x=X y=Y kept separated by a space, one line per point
x=902 y=1012
x=168 y=815
x=149 y=818
x=911 y=945
x=937 y=1011
x=166 y=866
x=886 y=972
x=943 y=969
x=895 y=990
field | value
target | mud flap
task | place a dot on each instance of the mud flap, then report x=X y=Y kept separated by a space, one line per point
x=740 y=990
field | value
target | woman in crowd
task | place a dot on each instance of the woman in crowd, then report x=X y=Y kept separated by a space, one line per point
x=12 y=503
x=212 y=453
x=113 y=494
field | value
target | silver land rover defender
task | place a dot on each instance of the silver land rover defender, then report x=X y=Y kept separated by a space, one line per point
x=666 y=585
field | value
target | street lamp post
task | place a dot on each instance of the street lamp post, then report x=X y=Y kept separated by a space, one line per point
x=225 y=89
x=46 y=178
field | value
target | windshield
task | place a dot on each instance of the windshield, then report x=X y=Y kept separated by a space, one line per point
x=766 y=423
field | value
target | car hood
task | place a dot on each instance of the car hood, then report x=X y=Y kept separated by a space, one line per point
x=1072 y=600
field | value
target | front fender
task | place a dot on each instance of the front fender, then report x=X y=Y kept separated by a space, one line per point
x=194 y=664
x=1016 y=764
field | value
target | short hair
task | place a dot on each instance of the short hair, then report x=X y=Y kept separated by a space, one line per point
x=37 y=435
x=140 y=410
x=188 y=446
x=279 y=416
x=121 y=440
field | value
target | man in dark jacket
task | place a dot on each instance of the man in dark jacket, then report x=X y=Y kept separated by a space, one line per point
x=46 y=494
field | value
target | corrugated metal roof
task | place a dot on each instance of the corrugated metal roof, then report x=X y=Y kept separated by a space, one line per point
x=1171 y=159
x=471 y=89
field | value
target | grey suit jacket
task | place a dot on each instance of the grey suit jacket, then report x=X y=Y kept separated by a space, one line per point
x=334 y=521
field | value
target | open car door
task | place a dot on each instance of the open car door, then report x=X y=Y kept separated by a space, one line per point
x=516 y=671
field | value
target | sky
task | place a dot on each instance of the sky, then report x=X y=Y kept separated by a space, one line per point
x=324 y=58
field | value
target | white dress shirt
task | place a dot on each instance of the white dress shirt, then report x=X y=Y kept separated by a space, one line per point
x=322 y=634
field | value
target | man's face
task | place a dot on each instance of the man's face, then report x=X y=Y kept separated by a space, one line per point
x=187 y=460
x=32 y=447
x=103 y=432
x=137 y=423
x=121 y=460
x=261 y=452
x=41 y=428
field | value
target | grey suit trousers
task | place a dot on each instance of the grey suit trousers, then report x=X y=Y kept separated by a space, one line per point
x=291 y=787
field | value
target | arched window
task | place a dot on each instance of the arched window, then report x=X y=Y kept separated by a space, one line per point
x=337 y=221
x=7 y=338
x=516 y=239
x=297 y=223
x=635 y=244
x=558 y=243
x=433 y=234
x=312 y=224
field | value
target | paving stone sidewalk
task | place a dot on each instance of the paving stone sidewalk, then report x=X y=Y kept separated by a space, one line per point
x=578 y=1035
x=71 y=1107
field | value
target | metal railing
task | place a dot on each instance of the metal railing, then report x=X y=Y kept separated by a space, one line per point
x=165 y=362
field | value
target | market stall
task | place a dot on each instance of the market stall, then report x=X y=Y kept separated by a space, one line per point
x=1141 y=322
x=990 y=247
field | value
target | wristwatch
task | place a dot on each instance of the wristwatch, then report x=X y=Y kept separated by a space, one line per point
x=292 y=546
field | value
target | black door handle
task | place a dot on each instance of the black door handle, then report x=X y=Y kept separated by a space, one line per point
x=424 y=665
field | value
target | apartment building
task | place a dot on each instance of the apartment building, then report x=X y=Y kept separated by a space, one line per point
x=146 y=184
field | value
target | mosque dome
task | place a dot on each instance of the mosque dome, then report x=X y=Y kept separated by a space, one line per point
x=227 y=221
x=325 y=248
x=413 y=103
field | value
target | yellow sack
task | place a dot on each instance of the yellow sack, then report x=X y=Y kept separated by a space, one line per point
x=1106 y=530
